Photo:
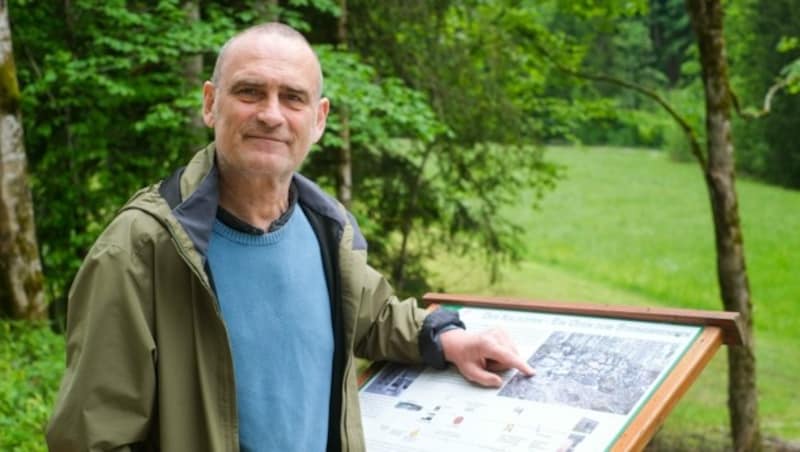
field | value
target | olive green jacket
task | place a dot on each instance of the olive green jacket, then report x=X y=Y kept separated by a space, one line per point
x=149 y=364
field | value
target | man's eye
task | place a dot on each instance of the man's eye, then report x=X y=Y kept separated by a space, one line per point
x=294 y=98
x=248 y=92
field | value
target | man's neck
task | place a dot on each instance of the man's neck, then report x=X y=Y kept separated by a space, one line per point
x=257 y=201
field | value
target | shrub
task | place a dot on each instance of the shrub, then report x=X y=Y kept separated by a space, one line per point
x=31 y=365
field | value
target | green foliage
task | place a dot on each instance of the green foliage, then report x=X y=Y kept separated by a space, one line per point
x=378 y=108
x=482 y=83
x=412 y=178
x=788 y=43
x=605 y=9
x=645 y=46
x=391 y=126
x=763 y=49
x=106 y=108
x=684 y=100
x=110 y=106
x=31 y=365
x=791 y=72
x=432 y=89
x=671 y=37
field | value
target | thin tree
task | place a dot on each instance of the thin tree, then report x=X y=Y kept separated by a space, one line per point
x=707 y=18
x=193 y=73
x=21 y=294
x=344 y=159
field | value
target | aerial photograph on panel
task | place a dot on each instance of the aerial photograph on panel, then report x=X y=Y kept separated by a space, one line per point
x=590 y=371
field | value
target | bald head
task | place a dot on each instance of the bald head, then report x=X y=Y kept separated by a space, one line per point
x=264 y=31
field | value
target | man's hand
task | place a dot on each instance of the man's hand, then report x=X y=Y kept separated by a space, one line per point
x=478 y=355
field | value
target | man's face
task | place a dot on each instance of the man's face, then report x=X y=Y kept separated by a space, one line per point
x=265 y=110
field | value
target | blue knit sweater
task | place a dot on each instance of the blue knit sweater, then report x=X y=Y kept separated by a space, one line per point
x=275 y=304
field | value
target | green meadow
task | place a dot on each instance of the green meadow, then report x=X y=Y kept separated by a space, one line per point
x=634 y=227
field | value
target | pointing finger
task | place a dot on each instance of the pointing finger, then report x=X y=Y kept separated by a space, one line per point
x=505 y=358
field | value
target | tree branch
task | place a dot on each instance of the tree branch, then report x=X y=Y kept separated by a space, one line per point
x=36 y=70
x=694 y=144
x=767 y=106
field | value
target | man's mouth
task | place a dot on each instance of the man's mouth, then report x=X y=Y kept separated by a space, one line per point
x=264 y=137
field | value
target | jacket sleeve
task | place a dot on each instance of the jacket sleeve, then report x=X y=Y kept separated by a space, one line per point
x=398 y=330
x=107 y=393
x=389 y=328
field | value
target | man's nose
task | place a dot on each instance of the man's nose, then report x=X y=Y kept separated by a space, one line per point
x=270 y=112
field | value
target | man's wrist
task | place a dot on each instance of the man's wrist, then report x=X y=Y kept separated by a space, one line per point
x=436 y=323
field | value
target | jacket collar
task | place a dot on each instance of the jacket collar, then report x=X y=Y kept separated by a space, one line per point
x=199 y=189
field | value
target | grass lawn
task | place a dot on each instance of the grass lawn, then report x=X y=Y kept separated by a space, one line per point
x=633 y=227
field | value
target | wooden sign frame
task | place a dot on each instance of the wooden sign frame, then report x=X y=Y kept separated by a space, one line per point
x=718 y=327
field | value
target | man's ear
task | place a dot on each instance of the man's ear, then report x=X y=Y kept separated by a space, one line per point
x=322 y=117
x=208 y=103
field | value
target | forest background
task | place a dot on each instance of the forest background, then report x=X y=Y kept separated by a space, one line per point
x=453 y=122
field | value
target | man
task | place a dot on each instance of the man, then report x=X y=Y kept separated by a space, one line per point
x=222 y=308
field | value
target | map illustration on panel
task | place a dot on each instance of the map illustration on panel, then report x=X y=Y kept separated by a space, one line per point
x=594 y=372
x=394 y=379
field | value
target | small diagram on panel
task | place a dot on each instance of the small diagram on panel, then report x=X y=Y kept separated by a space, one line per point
x=585 y=425
x=394 y=379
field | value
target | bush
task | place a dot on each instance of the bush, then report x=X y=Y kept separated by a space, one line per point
x=31 y=365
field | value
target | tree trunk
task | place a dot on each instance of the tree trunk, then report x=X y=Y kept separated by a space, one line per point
x=344 y=167
x=267 y=11
x=707 y=22
x=21 y=281
x=193 y=73
x=398 y=272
